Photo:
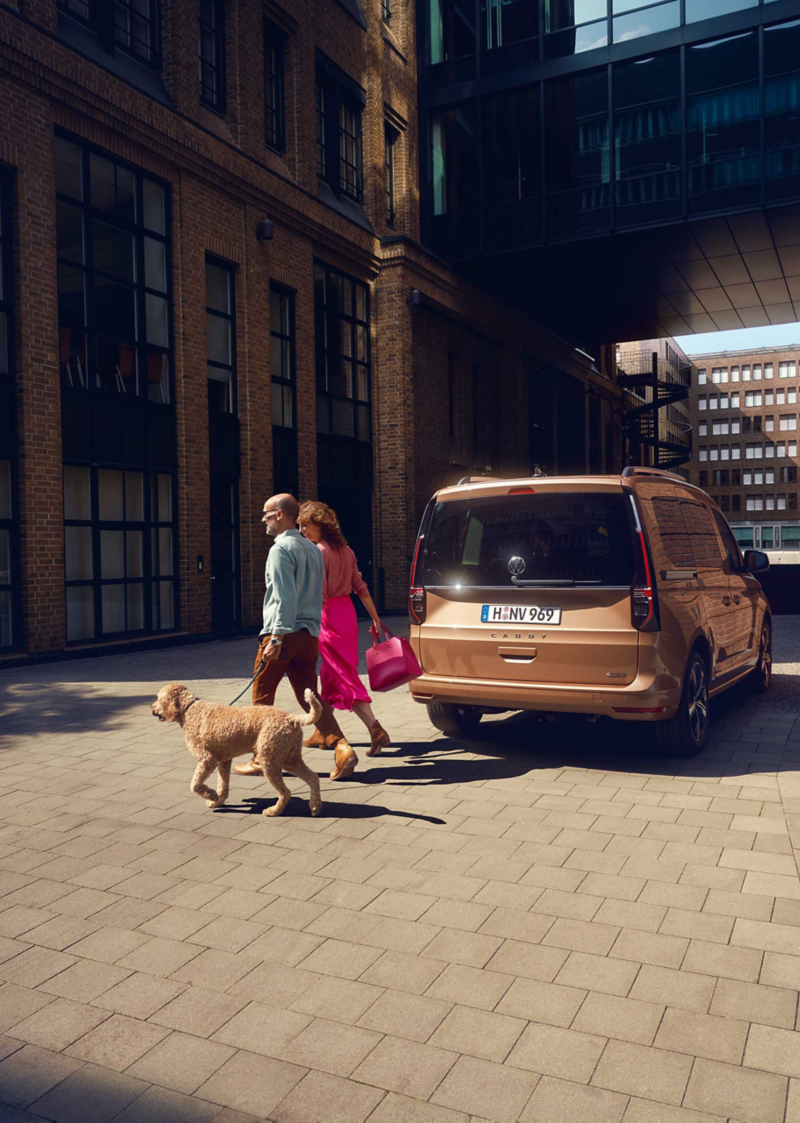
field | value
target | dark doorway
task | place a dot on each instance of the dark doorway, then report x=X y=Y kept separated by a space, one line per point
x=224 y=534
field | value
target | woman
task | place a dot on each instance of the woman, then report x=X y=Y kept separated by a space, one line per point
x=338 y=638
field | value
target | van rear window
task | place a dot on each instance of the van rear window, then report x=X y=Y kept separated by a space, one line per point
x=581 y=537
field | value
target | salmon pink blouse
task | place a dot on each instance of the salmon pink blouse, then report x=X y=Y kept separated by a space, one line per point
x=342 y=574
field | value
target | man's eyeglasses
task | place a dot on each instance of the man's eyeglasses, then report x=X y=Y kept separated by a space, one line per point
x=273 y=511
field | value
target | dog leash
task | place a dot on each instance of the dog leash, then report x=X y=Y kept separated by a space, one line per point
x=250 y=683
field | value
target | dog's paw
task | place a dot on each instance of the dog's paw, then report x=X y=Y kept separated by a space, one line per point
x=315 y=808
x=272 y=811
x=212 y=803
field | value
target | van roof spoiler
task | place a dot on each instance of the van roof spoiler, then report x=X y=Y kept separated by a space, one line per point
x=479 y=480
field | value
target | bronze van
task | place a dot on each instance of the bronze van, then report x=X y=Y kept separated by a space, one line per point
x=623 y=596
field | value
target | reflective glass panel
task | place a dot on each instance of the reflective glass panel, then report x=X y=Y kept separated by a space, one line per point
x=5 y=489
x=69 y=168
x=133 y=553
x=154 y=209
x=113 y=602
x=647 y=124
x=80 y=613
x=6 y=623
x=135 y=598
x=218 y=288
x=69 y=232
x=566 y=13
x=113 y=251
x=112 y=553
x=723 y=111
x=109 y=492
x=155 y=264
x=134 y=496
x=782 y=108
x=5 y=557
x=647 y=22
x=218 y=340
x=78 y=553
x=707 y=9
x=157 y=320
x=77 y=493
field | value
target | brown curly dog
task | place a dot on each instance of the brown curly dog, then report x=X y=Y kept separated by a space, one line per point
x=216 y=734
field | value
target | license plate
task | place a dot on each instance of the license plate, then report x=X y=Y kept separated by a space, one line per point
x=519 y=614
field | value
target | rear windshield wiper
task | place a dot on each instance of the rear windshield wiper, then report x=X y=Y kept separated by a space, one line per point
x=552 y=582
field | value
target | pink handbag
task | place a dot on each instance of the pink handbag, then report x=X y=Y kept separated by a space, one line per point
x=391 y=663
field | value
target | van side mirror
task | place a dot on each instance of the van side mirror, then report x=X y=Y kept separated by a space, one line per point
x=755 y=561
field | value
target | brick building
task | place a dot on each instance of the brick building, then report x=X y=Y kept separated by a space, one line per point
x=213 y=288
x=743 y=408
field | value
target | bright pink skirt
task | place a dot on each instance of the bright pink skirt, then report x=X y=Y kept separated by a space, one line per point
x=338 y=646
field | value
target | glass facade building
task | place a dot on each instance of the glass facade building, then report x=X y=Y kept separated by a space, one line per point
x=566 y=119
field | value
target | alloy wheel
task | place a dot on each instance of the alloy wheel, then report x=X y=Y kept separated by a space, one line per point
x=697 y=699
x=765 y=656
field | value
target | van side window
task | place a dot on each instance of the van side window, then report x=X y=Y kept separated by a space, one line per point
x=673 y=531
x=729 y=543
x=705 y=543
x=687 y=533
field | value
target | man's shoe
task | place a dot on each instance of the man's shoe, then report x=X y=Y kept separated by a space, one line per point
x=379 y=739
x=345 y=761
x=316 y=738
x=252 y=768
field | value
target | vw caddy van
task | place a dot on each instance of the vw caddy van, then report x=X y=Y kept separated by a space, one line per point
x=618 y=596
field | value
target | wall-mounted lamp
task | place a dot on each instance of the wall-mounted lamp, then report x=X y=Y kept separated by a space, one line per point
x=264 y=230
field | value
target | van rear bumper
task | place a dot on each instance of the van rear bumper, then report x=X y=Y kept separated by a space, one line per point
x=645 y=693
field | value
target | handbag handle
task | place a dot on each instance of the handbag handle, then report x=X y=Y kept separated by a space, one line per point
x=374 y=633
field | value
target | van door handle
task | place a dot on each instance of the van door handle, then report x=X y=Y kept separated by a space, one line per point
x=726 y=600
x=736 y=600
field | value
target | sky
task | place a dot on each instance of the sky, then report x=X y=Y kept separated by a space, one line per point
x=783 y=335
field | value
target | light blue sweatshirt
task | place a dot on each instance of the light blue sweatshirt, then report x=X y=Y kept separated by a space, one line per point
x=293 y=577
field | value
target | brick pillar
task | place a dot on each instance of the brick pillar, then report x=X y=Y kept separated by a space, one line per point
x=394 y=428
x=28 y=122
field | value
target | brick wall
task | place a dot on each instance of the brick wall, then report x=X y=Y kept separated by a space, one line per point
x=224 y=180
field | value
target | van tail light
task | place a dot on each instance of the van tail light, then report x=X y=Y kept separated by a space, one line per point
x=416 y=604
x=416 y=594
x=644 y=599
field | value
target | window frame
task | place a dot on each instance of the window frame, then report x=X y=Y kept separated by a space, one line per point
x=11 y=524
x=233 y=390
x=90 y=393
x=285 y=437
x=101 y=19
x=336 y=104
x=274 y=41
x=216 y=104
x=391 y=136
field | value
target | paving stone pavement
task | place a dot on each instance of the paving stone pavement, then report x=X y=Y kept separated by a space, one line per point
x=544 y=922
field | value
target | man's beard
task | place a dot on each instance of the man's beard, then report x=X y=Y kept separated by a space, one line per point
x=272 y=530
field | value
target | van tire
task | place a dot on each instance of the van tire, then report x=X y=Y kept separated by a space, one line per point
x=453 y=720
x=761 y=676
x=687 y=732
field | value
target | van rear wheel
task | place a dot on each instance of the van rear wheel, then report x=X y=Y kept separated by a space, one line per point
x=687 y=732
x=454 y=720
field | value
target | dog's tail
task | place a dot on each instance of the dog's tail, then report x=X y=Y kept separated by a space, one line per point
x=316 y=709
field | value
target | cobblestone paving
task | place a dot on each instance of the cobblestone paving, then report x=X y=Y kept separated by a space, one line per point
x=546 y=922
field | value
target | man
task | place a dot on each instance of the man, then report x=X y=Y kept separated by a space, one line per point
x=288 y=643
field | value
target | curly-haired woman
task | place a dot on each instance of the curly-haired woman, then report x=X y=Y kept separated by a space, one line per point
x=338 y=638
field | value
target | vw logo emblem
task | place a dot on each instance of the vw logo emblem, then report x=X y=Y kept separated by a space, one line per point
x=516 y=566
